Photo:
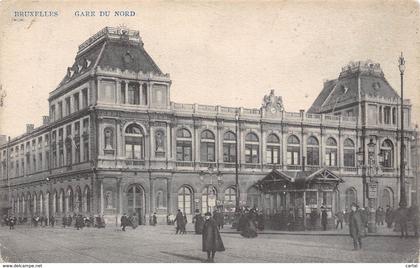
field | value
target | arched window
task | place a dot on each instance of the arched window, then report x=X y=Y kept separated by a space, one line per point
x=185 y=199
x=70 y=200
x=273 y=149
x=183 y=145
x=349 y=153
x=41 y=203
x=351 y=197
x=380 y=114
x=252 y=148
x=229 y=147
x=387 y=115
x=387 y=150
x=87 y=199
x=78 y=201
x=134 y=142
x=208 y=199
x=293 y=150
x=331 y=152
x=312 y=151
x=230 y=196
x=207 y=146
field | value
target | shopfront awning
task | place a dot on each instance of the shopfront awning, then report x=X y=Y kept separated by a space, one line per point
x=286 y=180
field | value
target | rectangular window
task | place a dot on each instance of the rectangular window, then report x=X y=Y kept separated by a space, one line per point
x=77 y=128
x=313 y=156
x=60 y=110
x=349 y=159
x=40 y=161
x=107 y=93
x=293 y=155
x=34 y=163
x=251 y=153
x=133 y=94
x=331 y=157
x=85 y=150
x=122 y=93
x=85 y=98
x=52 y=111
x=85 y=126
x=207 y=152
x=17 y=168
x=33 y=145
x=183 y=151
x=229 y=153
x=47 y=140
x=68 y=106
x=39 y=142
x=76 y=102
x=47 y=159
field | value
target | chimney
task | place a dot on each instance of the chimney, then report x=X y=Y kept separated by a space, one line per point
x=29 y=128
x=45 y=120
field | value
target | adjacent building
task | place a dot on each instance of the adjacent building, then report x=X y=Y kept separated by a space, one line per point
x=115 y=143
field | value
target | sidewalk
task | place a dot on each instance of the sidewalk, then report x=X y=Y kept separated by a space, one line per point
x=382 y=231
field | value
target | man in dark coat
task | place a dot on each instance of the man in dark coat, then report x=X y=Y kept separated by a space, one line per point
x=154 y=219
x=414 y=218
x=340 y=218
x=324 y=219
x=401 y=219
x=212 y=241
x=179 y=219
x=291 y=220
x=12 y=221
x=218 y=217
x=52 y=221
x=124 y=221
x=249 y=229
x=356 y=226
x=198 y=222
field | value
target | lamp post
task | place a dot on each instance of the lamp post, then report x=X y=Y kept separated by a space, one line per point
x=238 y=194
x=403 y=199
x=371 y=169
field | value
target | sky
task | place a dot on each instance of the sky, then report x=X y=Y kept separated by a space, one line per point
x=226 y=53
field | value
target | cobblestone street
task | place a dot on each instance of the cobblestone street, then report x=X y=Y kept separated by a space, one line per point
x=160 y=244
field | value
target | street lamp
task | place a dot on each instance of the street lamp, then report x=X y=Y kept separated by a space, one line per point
x=238 y=194
x=370 y=168
x=403 y=200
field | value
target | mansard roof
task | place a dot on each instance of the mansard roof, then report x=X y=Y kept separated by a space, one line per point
x=112 y=49
x=356 y=80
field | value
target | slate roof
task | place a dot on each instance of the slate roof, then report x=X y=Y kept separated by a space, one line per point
x=110 y=48
x=345 y=89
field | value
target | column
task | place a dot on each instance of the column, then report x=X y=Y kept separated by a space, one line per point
x=126 y=91
x=152 y=197
x=169 y=195
x=101 y=196
x=120 y=196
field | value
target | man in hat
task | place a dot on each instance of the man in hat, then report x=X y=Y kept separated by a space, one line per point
x=198 y=222
x=356 y=226
x=124 y=221
x=179 y=219
x=212 y=241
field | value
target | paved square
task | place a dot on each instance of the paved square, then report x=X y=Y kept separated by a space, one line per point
x=160 y=244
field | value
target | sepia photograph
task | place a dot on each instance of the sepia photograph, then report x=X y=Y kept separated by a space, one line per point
x=209 y=132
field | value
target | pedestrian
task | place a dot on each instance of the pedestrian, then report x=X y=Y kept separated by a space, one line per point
x=380 y=216
x=134 y=221
x=249 y=230
x=388 y=216
x=154 y=219
x=414 y=218
x=198 y=222
x=124 y=221
x=356 y=226
x=79 y=222
x=184 y=231
x=364 y=217
x=324 y=219
x=179 y=219
x=290 y=220
x=402 y=218
x=12 y=222
x=218 y=217
x=64 y=221
x=69 y=220
x=340 y=218
x=212 y=240
x=260 y=221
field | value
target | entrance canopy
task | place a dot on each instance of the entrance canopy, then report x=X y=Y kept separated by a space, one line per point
x=278 y=180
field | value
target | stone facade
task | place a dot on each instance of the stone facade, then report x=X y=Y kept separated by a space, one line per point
x=115 y=143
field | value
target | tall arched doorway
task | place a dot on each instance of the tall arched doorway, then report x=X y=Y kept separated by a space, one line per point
x=387 y=198
x=136 y=202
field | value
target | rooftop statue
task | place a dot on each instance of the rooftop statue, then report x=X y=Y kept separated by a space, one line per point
x=272 y=103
